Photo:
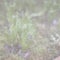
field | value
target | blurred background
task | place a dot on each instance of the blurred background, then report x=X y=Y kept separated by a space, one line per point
x=29 y=29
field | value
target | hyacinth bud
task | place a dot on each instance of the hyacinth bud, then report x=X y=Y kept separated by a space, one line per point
x=16 y=48
x=12 y=48
x=8 y=48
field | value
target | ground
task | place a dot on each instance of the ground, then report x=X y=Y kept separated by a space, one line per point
x=29 y=29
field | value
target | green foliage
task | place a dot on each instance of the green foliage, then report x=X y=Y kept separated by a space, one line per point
x=20 y=28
